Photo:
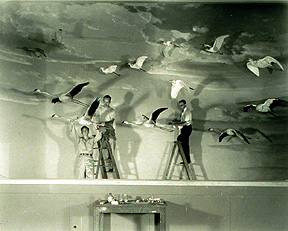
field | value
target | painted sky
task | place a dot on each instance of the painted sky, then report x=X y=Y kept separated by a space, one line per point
x=100 y=34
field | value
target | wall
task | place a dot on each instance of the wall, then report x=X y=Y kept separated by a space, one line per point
x=100 y=34
x=217 y=206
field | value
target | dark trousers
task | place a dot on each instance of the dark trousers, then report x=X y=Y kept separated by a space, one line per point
x=184 y=138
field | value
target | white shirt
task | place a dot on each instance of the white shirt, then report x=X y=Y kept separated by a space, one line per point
x=105 y=114
x=186 y=116
x=86 y=146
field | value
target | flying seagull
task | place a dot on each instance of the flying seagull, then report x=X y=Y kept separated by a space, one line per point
x=267 y=106
x=110 y=70
x=139 y=63
x=177 y=85
x=86 y=119
x=217 y=44
x=150 y=122
x=230 y=132
x=267 y=62
x=168 y=46
x=66 y=96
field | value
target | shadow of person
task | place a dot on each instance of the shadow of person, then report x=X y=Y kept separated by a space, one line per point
x=65 y=160
x=199 y=116
x=128 y=140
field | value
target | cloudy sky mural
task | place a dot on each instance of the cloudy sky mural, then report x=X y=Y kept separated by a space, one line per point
x=102 y=34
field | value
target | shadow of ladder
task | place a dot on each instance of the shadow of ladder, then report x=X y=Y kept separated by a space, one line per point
x=177 y=151
x=133 y=170
x=199 y=170
x=104 y=144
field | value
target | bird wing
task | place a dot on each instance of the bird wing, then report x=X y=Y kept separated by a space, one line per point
x=91 y=110
x=241 y=136
x=254 y=69
x=112 y=68
x=272 y=60
x=156 y=113
x=222 y=135
x=141 y=60
x=247 y=107
x=75 y=90
x=175 y=89
x=218 y=42
x=165 y=50
x=277 y=102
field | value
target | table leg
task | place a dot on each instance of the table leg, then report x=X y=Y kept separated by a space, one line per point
x=99 y=220
x=163 y=220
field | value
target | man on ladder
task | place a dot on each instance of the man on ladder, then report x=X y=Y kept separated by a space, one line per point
x=105 y=115
x=185 y=123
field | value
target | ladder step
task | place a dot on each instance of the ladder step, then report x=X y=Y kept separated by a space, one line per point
x=108 y=165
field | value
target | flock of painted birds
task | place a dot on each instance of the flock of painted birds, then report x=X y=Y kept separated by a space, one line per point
x=87 y=119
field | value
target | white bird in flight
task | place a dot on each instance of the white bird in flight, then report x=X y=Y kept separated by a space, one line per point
x=177 y=85
x=267 y=106
x=110 y=70
x=168 y=46
x=267 y=62
x=230 y=132
x=217 y=44
x=150 y=122
x=86 y=119
x=66 y=96
x=139 y=63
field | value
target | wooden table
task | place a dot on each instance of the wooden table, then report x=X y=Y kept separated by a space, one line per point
x=159 y=210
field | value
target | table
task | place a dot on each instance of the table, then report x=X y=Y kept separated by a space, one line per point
x=133 y=207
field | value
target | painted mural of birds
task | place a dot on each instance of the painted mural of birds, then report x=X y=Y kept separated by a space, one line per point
x=86 y=119
x=230 y=132
x=139 y=63
x=150 y=122
x=267 y=62
x=267 y=106
x=66 y=96
x=110 y=70
x=177 y=85
x=216 y=45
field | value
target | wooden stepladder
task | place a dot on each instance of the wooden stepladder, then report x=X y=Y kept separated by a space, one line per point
x=169 y=172
x=104 y=145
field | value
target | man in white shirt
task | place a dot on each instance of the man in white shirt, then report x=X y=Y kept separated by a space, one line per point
x=86 y=144
x=186 y=130
x=105 y=114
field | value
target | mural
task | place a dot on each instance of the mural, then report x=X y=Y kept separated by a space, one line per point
x=228 y=61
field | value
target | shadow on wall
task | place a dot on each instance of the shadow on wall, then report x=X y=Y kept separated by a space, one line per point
x=197 y=133
x=128 y=140
x=185 y=216
x=210 y=79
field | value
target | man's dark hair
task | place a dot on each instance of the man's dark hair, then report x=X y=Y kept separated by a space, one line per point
x=107 y=97
x=82 y=128
x=182 y=101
